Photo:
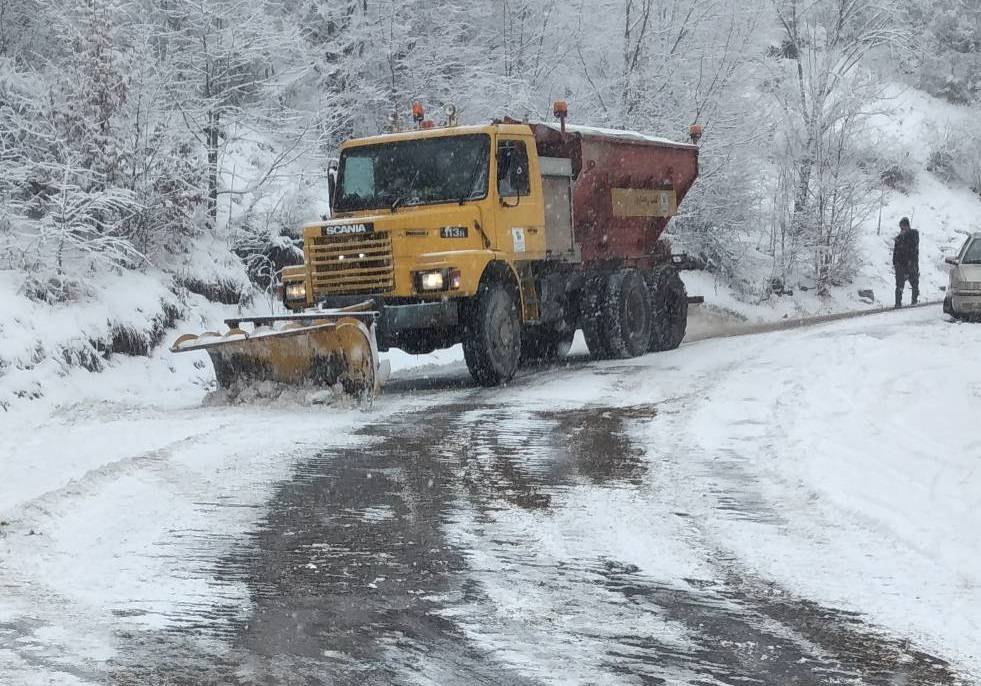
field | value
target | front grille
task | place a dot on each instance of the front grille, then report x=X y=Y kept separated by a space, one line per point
x=352 y=264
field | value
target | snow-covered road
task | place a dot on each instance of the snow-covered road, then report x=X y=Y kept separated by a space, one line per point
x=795 y=507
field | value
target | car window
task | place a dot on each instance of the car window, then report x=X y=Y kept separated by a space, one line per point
x=972 y=252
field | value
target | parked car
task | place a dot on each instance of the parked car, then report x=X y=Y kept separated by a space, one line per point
x=964 y=292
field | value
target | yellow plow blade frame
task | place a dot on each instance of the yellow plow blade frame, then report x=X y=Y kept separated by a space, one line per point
x=320 y=349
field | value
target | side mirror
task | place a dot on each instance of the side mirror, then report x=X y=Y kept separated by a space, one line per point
x=332 y=165
x=952 y=260
x=504 y=200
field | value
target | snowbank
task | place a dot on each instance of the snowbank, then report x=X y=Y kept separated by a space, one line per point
x=841 y=462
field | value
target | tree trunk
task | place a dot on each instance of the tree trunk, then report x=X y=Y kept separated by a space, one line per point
x=211 y=140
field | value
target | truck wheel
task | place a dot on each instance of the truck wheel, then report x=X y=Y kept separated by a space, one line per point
x=492 y=337
x=670 y=305
x=628 y=314
x=591 y=316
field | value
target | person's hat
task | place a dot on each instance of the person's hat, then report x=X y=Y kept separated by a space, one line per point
x=904 y=221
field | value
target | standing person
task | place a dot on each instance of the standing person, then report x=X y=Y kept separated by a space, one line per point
x=906 y=261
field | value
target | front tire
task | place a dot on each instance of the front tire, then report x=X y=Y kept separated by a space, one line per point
x=492 y=337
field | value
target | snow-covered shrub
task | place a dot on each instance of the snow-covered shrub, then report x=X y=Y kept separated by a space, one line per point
x=720 y=218
x=942 y=160
x=955 y=157
x=129 y=340
x=897 y=173
x=266 y=250
x=899 y=177
x=205 y=266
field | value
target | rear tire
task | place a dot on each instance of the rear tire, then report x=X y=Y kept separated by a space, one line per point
x=670 y=305
x=492 y=335
x=628 y=314
x=592 y=319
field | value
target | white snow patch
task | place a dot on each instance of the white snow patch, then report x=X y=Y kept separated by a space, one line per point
x=852 y=449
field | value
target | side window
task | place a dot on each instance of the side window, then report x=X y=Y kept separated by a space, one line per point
x=512 y=169
x=972 y=252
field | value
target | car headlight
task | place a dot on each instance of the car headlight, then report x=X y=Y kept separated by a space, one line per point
x=296 y=290
x=967 y=286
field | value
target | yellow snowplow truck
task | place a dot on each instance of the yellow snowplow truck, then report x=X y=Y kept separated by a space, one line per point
x=506 y=237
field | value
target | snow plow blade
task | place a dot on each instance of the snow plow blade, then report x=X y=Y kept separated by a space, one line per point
x=324 y=347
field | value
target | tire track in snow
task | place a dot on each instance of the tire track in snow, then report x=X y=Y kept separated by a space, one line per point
x=93 y=479
x=458 y=548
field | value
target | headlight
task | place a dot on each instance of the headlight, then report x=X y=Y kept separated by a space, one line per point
x=296 y=290
x=968 y=286
x=431 y=281
x=438 y=280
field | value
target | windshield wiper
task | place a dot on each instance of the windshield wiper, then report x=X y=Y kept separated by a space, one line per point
x=408 y=189
x=473 y=176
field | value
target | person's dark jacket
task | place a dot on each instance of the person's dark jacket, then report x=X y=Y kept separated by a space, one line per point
x=906 y=252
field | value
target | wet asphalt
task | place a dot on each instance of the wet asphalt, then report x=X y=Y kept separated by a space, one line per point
x=358 y=574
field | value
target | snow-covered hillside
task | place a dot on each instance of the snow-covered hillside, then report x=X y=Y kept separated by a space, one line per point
x=910 y=128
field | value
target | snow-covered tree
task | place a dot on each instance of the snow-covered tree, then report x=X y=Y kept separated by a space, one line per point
x=825 y=94
x=232 y=64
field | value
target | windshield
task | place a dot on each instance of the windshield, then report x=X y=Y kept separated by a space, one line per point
x=415 y=172
x=972 y=255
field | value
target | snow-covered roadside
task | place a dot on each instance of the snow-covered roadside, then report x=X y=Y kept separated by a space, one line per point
x=856 y=444
x=129 y=543
x=907 y=131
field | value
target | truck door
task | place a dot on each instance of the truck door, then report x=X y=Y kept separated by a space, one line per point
x=521 y=225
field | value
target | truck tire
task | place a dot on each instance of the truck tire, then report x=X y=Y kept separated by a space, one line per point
x=592 y=319
x=492 y=334
x=628 y=314
x=670 y=304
